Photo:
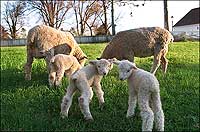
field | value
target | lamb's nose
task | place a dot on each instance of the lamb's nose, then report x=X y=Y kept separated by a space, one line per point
x=104 y=73
x=121 y=79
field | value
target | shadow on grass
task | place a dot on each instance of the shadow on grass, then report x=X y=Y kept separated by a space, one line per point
x=14 y=78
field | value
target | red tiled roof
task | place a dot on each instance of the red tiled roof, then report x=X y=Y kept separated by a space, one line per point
x=192 y=17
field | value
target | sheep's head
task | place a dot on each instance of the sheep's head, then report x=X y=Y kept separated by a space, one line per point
x=103 y=66
x=125 y=68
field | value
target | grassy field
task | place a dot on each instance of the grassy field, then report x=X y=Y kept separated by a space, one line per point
x=31 y=105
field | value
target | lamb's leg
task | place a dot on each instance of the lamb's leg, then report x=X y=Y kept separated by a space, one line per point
x=147 y=114
x=59 y=75
x=131 y=103
x=99 y=92
x=158 y=112
x=67 y=101
x=156 y=63
x=164 y=63
x=52 y=78
x=84 y=99
x=28 y=65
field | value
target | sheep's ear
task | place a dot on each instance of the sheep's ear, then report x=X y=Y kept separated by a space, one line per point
x=134 y=66
x=93 y=62
x=116 y=62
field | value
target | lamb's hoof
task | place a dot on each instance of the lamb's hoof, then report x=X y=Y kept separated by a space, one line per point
x=102 y=106
x=129 y=116
x=63 y=115
x=89 y=119
x=28 y=77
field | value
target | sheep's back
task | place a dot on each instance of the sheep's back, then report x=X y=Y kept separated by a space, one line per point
x=45 y=38
x=139 y=42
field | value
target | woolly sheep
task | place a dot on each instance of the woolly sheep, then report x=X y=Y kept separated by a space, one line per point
x=84 y=80
x=140 y=42
x=60 y=64
x=144 y=87
x=43 y=38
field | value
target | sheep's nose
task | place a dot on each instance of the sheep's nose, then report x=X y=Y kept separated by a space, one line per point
x=121 y=79
x=104 y=73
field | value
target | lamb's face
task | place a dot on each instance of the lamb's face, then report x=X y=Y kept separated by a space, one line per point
x=125 y=68
x=103 y=66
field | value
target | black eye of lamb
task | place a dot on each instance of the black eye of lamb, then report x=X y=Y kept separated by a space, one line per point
x=128 y=70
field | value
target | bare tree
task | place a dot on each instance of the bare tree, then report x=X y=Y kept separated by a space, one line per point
x=86 y=13
x=13 y=15
x=52 y=12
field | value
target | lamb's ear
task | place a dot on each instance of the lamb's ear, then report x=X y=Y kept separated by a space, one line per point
x=112 y=60
x=134 y=66
x=93 y=62
x=116 y=62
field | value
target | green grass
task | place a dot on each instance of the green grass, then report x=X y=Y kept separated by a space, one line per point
x=31 y=105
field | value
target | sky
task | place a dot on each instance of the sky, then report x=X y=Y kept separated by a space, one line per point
x=143 y=16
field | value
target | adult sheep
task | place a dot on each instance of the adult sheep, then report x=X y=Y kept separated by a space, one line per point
x=42 y=39
x=140 y=42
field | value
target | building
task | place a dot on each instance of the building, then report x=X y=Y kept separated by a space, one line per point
x=189 y=24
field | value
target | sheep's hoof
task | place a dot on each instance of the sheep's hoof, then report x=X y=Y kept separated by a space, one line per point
x=89 y=119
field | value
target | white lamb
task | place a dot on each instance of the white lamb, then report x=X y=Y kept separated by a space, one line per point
x=83 y=80
x=144 y=87
x=62 y=64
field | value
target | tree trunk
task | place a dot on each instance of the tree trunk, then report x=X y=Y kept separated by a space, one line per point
x=112 y=15
x=166 y=21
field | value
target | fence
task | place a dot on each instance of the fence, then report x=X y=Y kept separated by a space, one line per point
x=79 y=39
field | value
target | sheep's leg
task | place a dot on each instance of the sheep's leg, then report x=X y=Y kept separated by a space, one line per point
x=59 y=75
x=84 y=99
x=67 y=101
x=164 y=63
x=131 y=102
x=99 y=92
x=52 y=78
x=28 y=65
x=158 y=112
x=147 y=114
x=91 y=95
x=156 y=63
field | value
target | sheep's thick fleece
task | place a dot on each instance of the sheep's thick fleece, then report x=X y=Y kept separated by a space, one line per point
x=140 y=42
x=42 y=39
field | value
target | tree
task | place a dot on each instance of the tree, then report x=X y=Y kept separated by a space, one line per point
x=13 y=15
x=86 y=13
x=52 y=12
x=4 y=33
x=166 y=21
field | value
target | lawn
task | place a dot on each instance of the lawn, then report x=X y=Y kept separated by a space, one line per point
x=31 y=105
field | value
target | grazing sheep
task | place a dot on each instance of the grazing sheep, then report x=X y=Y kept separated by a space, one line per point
x=42 y=38
x=141 y=42
x=144 y=87
x=60 y=64
x=83 y=80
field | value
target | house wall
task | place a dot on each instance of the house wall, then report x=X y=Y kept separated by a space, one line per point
x=191 y=30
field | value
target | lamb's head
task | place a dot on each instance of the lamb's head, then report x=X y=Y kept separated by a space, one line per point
x=125 y=68
x=103 y=66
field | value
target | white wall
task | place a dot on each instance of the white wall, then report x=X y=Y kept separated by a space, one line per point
x=192 y=30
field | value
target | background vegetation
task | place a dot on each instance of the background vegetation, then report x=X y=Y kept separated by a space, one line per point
x=31 y=105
